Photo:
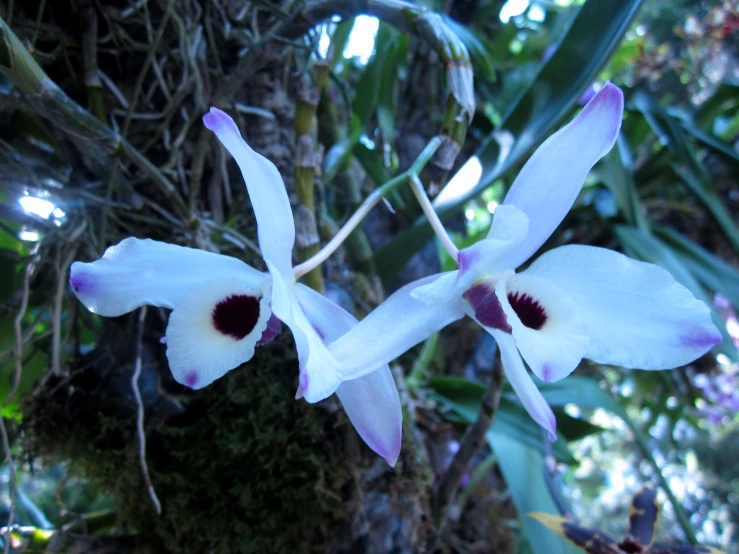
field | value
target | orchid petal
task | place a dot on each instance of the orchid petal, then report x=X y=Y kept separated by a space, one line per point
x=636 y=314
x=549 y=183
x=524 y=387
x=509 y=229
x=275 y=226
x=438 y=291
x=136 y=272
x=398 y=324
x=371 y=402
x=545 y=322
x=215 y=329
x=319 y=372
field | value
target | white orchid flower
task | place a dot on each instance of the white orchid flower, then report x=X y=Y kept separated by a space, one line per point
x=223 y=308
x=573 y=302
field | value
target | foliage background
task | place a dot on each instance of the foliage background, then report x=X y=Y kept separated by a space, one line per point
x=240 y=467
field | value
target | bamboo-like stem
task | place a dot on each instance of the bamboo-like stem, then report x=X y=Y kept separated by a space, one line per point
x=433 y=29
x=90 y=63
x=309 y=94
x=46 y=99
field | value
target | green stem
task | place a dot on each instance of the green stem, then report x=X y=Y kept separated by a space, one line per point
x=431 y=28
x=418 y=372
x=309 y=93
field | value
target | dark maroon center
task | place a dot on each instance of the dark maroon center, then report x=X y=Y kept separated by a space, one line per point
x=488 y=310
x=237 y=315
x=528 y=310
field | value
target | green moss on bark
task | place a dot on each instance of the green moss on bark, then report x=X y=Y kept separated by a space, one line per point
x=243 y=468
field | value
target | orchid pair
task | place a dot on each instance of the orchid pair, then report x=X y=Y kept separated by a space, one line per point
x=572 y=302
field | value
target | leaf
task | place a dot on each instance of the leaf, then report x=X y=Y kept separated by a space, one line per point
x=477 y=46
x=523 y=469
x=668 y=130
x=615 y=173
x=396 y=54
x=710 y=270
x=711 y=200
x=517 y=442
x=686 y=164
x=595 y=32
x=339 y=39
x=582 y=392
x=464 y=397
x=724 y=100
x=711 y=140
x=368 y=86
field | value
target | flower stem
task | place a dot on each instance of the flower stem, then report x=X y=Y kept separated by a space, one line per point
x=433 y=217
x=366 y=206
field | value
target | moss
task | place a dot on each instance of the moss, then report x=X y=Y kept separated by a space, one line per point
x=243 y=468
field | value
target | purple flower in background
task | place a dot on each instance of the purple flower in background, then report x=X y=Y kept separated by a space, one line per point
x=573 y=302
x=223 y=308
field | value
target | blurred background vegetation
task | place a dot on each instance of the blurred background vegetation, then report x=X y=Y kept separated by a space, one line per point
x=118 y=150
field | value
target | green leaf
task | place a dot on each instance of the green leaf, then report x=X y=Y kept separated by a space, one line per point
x=711 y=271
x=339 y=39
x=478 y=47
x=371 y=162
x=582 y=392
x=395 y=55
x=464 y=396
x=686 y=164
x=368 y=86
x=725 y=100
x=615 y=173
x=710 y=140
x=587 y=45
x=711 y=200
x=523 y=469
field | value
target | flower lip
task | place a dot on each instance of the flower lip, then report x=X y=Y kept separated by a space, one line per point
x=236 y=315
x=531 y=313
x=274 y=326
x=487 y=307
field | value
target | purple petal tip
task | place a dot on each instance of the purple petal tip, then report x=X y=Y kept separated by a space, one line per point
x=80 y=284
x=302 y=385
x=546 y=373
x=191 y=379
x=701 y=339
x=219 y=121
